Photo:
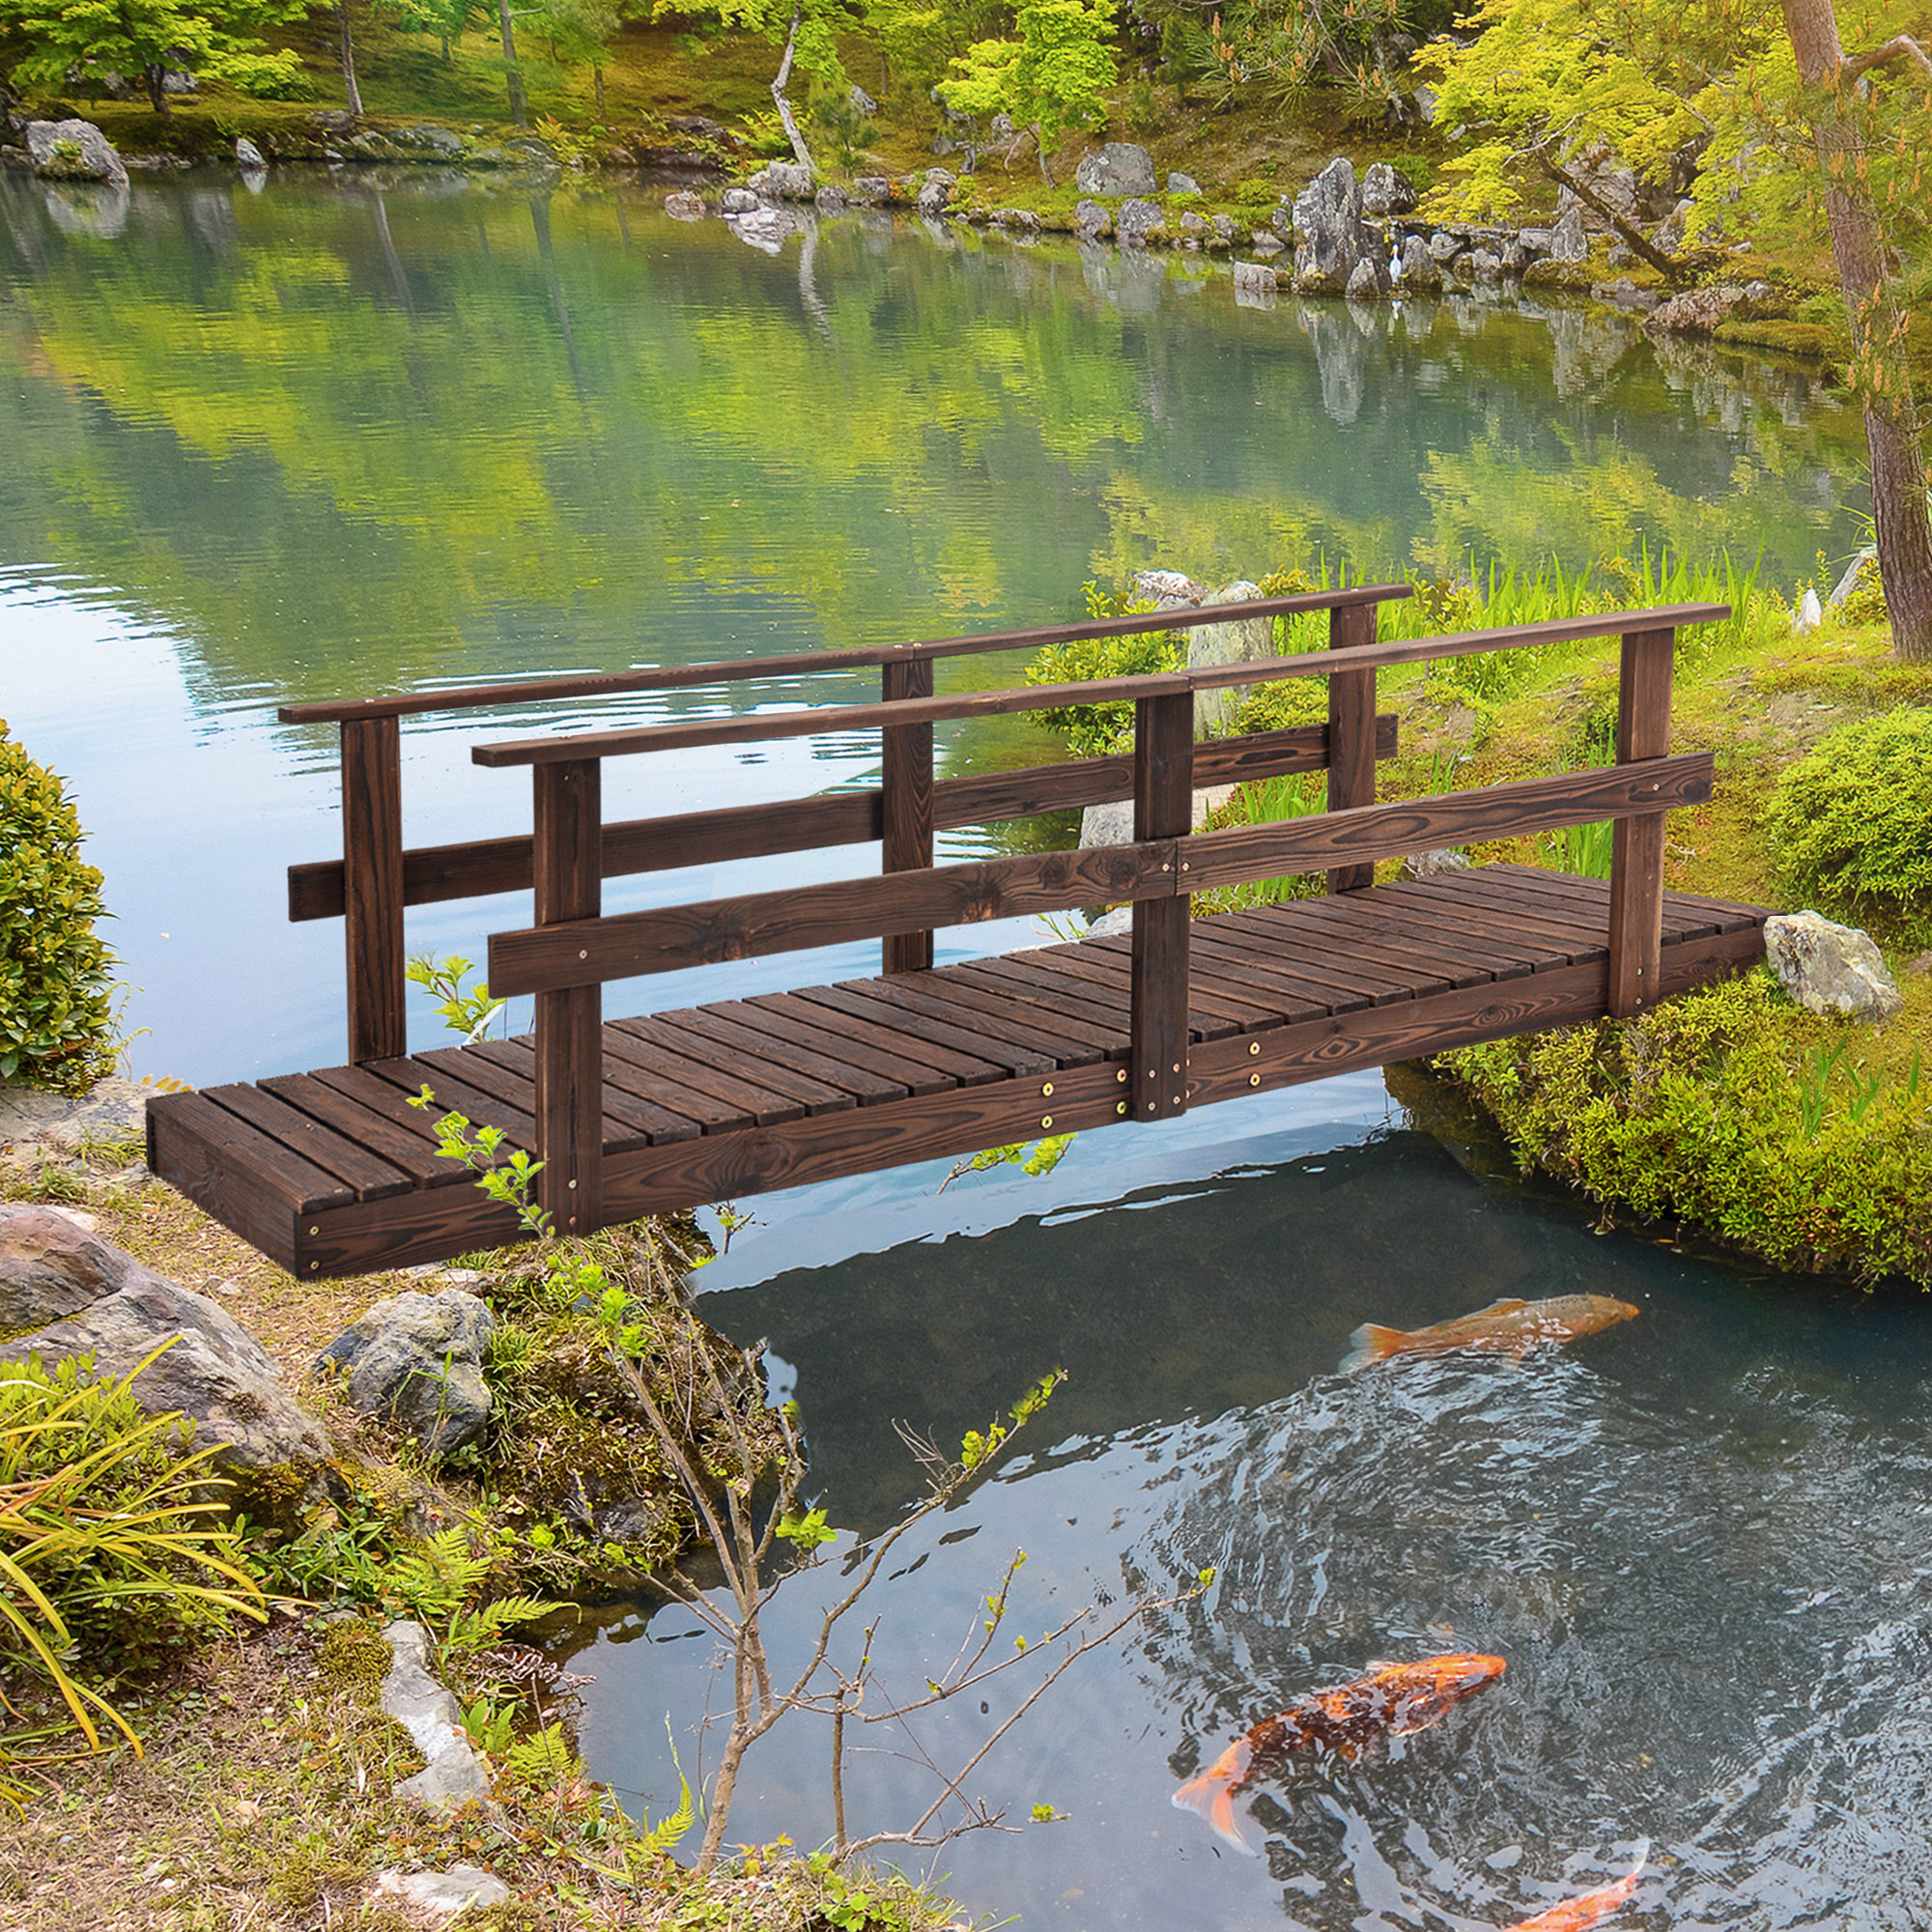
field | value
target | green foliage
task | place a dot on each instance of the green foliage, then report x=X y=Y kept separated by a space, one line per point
x=1265 y=802
x=978 y=1444
x=105 y=1534
x=1582 y=849
x=1097 y=731
x=1053 y=77
x=1034 y=1157
x=509 y=1181
x=1851 y=822
x=218 y=39
x=468 y=1014
x=1733 y=1109
x=56 y=1019
x=543 y=1757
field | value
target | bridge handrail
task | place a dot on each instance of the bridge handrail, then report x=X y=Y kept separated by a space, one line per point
x=805 y=664
x=813 y=721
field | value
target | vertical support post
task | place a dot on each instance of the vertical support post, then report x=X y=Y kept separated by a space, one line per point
x=905 y=780
x=1352 y=732
x=1163 y=808
x=570 y=1024
x=1637 y=844
x=371 y=881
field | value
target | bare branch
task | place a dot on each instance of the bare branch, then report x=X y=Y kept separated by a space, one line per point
x=1903 y=48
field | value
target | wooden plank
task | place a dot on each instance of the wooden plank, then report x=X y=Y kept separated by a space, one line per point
x=1531 y=905
x=1371 y=914
x=727 y=1028
x=924 y=1068
x=628 y=1117
x=1465 y=913
x=1570 y=889
x=1107 y=969
x=830 y=1008
x=1300 y=991
x=805 y=664
x=368 y=1176
x=1368 y=832
x=715 y=1047
x=433 y=873
x=1636 y=845
x=371 y=875
x=216 y=1162
x=1163 y=809
x=871 y=1073
x=568 y=870
x=359 y=1088
x=587 y=951
x=909 y=1022
x=906 y=790
x=428 y=1226
x=734 y=1102
x=767 y=726
x=1425 y=966
x=367 y=1127
x=1032 y=987
x=1075 y=1039
x=454 y=1094
x=1351 y=720
x=1263 y=943
x=1066 y=1043
x=509 y=1071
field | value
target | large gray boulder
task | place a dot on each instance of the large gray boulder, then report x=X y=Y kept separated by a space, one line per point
x=1328 y=238
x=1568 y=240
x=1118 y=168
x=1241 y=640
x=73 y=150
x=1829 y=968
x=1167 y=590
x=417 y=1359
x=1420 y=271
x=65 y=1292
x=784 y=180
x=1385 y=192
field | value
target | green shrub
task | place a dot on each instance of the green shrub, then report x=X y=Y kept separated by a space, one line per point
x=1727 y=1108
x=56 y=1019
x=1097 y=731
x=1851 y=822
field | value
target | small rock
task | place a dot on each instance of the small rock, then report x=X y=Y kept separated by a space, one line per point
x=860 y=101
x=784 y=180
x=830 y=200
x=1241 y=640
x=1224 y=228
x=1829 y=968
x=1136 y=221
x=439 y=141
x=1385 y=192
x=1419 y=269
x=247 y=154
x=1118 y=168
x=1436 y=865
x=453 y=1775
x=738 y=200
x=1444 y=246
x=1863 y=567
x=110 y=1109
x=1168 y=590
x=446 y=1896
x=1696 y=311
x=684 y=205
x=1118 y=922
x=1568 y=242
x=73 y=150
x=1181 y=183
x=935 y=194
x=419 y=1359
x=876 y=190
x=1810 y=613
x=1090 y=221
x=1108 y=824
x=1254 y=278
x=1365 y=285
x=1425 y=99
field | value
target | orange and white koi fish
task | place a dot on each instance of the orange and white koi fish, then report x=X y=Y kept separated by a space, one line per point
x=1576 y=1914
x=1392 y=1700
x=1509 y=1327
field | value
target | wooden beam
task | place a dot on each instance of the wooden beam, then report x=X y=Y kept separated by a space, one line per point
x=1637 y=844
x=906 y=794
x=1351 y=715
x=432 y=874
x=569 y=1028
x=588 y=951
x=1163 y=812
x=372 y=887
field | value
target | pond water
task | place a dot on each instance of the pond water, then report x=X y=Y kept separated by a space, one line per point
x=346 y=435
x=341 y=437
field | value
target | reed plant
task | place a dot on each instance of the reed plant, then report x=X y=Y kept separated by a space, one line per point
x=1266 y=802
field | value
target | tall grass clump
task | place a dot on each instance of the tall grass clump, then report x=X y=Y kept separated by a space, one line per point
x=107 y=1552
x=1266 y=802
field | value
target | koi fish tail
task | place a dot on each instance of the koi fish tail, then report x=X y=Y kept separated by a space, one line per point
x=1212 y=1796
x=1372 y=1342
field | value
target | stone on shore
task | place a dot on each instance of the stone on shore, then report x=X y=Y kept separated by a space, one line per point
x=1328 y=236
x=784 y=180
x=1385 y=192
x=1090 y=221
x=453 y=1775
x=1136 y=221
x=417 y=1359
x=1829 y=968
x=1119 y=168
x=75 y=150
x=444 y=1896
x=684 y=205
x=1240 y=641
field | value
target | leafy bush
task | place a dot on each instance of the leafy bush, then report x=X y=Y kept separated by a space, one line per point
x=56 y=1021
x=104 y=1538
x=1851 y=822
x=1097 y=731
x=1730 y=1108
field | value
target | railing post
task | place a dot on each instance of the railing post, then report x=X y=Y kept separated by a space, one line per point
x=906 y=783
x=570 y=1024
x=372 y=887
x=1163 y=808
x=1637 y=844
x=1352 y=732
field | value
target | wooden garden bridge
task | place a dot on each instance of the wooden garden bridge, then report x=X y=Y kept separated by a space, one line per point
x=334 y=1172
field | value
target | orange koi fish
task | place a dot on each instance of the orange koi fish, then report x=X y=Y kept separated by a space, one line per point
x=1392 y=1700
x=1509 y=1327
x=1576 y=1914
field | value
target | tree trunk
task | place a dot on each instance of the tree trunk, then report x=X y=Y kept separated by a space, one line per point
x=513 y=74
x=1901 y=524
x=349 y=86
x=1639 y=244
x=597 y=77
x=156 y=74
x=786 y=119
x=1040 y=149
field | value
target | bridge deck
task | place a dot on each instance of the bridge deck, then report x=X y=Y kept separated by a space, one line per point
x=334 y=1172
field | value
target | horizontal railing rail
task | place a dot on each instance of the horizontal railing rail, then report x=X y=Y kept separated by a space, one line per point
x=588 y=952
x=476 y=867
x=810 y=664
x=820 y=720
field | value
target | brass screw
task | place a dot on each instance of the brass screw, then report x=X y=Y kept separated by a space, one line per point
x=315 y=1231
x=1150 y=1107
x=1046 y=1119
x=1254 y=1079
x=1047 y=1091
x=572 y=1183
x=1177 y=1099
x=584 y=955
x=1176 y=1067
x=1121 y=1076
x=1121 y=1108
x=1254 y=1046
